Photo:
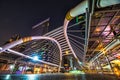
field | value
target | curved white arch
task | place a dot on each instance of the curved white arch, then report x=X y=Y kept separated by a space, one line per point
x=67 y=39
x=26 y=39
x=69 y=16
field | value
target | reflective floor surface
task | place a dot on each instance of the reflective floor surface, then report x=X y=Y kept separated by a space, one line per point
x=57 y=76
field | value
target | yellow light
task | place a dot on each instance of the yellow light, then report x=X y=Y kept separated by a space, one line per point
x=67 y=52
x=65 y=64
x=45 y=65
x=116 y=61
x=116 y=71
x=97 y=29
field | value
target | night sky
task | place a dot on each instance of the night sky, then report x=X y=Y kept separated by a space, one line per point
x=18 y=16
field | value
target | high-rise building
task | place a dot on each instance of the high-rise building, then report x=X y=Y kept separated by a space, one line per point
x=41 y=28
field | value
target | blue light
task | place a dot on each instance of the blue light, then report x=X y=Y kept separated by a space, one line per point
x=31 y=77
x=7 y=76
x=35 y=58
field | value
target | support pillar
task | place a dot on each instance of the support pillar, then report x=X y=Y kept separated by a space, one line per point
x=108 y=61
x=12 y=70
x=98 y=61
x=98 y=65
x=71 y=63
x=94 y=67
x=24 y=69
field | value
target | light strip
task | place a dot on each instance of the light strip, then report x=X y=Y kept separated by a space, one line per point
x=72 y=43
x=78 y=46
x=77 y=41
x=76 y=36
x=49 y=33
x=60 y=37
x=56 y=33
x=76 y=31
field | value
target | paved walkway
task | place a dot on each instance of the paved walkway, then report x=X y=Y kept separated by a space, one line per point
x=58 y=76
